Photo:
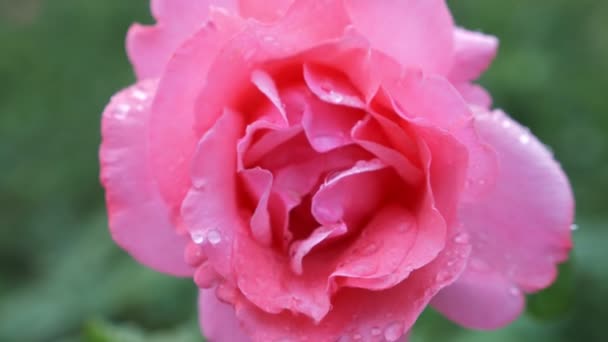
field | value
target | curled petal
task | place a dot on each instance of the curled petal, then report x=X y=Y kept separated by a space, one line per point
x=139 y=219
x=473 y=53
x=519 y=231
x=150 y=47
x=264 y=10
x=362 y=314
x=210 y=209
x=217 y=320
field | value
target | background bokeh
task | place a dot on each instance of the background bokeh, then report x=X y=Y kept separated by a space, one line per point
x=62 y=278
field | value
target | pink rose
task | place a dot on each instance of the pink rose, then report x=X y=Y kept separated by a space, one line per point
x=325 y=169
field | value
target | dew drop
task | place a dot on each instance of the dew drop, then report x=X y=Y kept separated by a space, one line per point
x=393 y=331
x=461 y=238
x=199 y=183
x=574 y=227
x=369 y=249
x=120 y=112
x=524 y=139
x=214 y=237
x=442 y=276
x=514 y=291
x=139 y=95
x=334 y=97
x=506 y=123
x=198 y=237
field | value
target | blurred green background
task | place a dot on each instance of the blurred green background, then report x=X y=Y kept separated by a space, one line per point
x=62 y=278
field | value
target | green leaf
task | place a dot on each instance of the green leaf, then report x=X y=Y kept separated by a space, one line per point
x=555 y=301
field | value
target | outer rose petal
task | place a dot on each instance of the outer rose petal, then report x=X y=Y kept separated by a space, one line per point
x=417 y=33
x=139 y=219
x=519 y=232
x=210 y=209
x=150 y=47
x=172 y=138
x=217 y=320
x=473 y=53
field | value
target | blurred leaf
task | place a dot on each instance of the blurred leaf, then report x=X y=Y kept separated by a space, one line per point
x=102 y=331
x=556 y=300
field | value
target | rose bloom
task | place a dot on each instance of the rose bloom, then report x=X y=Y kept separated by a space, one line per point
x=326 y=169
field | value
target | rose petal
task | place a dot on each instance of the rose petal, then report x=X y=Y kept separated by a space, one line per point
x=264 y=10
x=331 y=86
x=300 y=249
x=265 y=84
x=519 y=232
x=434 y=102
x=265 y=278
x=339 y=198
x=139 y=219
x=210 y=209
x=475 y=95
x=362 y=314
x=150 y=47
x=473 y=53
x=424 y=30
x=368 y=134
x=172 y=138
x=328 y=127
x=474 y=298
x=259 y=181
x=218 y=320
x=304 y=25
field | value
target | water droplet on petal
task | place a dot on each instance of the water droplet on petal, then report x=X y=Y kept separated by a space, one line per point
x=369 y=249
x=120 y=111
x=139 y=95
x=214 y=237
x=393 y=331
x=442 y=276
x=514 y=291
x=574 y=227
x=506 y=123
x=199 y=183
x=461 y=238
x=198 y=237
x=524 y=139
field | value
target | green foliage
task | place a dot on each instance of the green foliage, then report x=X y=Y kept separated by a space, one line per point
x=63 y=279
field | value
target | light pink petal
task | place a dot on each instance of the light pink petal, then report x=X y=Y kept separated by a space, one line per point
x=340 y=198
x=139 y=220
x=210 y=209
x=264 y=10
x=298 y=178
x=520 y=231
x=475 y=95
x=368 y=134
x=265 y=84
x=377 y=258
x=218 y=320
x=300 y=249
x=273 y=136
x=417 y=33
x=259 y=183
x=433 y=101
x=331 y=86
x=361 y=314
x=473 y=53
x=306 y=24
x=328 y=127
x=172 y=137
x=150 y=47
x=482 y=300
x=265 y=278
